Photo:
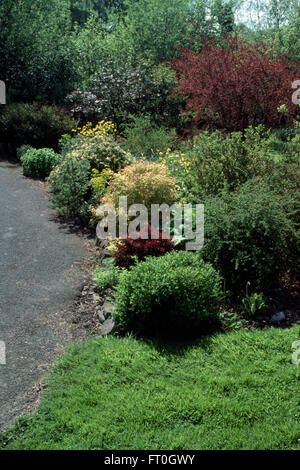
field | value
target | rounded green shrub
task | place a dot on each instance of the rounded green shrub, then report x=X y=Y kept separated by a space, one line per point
x=69 y=185
x=219 y=161
x=250 y=236
x=22 y=150
x=38 y=163
x=176 y=295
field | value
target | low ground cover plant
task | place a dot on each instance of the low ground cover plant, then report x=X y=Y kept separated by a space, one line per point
x=176 y=295
x=254 y=306
x=107 y=276
x=228 y=391
x=38 y=163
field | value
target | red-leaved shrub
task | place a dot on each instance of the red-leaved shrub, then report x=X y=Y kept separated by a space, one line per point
x=236 y=84
x=142 y=245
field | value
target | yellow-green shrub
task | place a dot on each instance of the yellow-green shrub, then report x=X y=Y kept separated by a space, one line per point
x=143 y=183
x=98 y=183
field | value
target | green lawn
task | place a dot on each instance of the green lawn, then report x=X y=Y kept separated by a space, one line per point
x=228 y=391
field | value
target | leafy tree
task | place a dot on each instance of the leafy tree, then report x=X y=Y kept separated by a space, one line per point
x=225 y=15
x=36 y=59
x=287 y=38
x=82 y=9
x=236 y=84
x=275 y=21
x=271 y=13
x=157 y=28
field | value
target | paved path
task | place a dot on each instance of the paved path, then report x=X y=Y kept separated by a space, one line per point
x=39 y=278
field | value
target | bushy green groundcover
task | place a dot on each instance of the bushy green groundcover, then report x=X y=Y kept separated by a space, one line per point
x=227 y=391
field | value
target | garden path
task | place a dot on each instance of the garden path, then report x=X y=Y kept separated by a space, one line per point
x=40 y=276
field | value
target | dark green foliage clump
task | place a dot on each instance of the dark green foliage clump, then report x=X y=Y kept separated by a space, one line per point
x=33 y=124
x=249 y=236
x=38 y=163
x=175 y=295
x=69 y=183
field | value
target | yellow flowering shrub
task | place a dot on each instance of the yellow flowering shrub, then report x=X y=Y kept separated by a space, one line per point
x=180 y=167
x=103 y=129
x=177 y=163
x=99 y=145
x=89 y=159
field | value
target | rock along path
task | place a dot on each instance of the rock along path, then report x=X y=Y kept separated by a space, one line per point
x=40 y=276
